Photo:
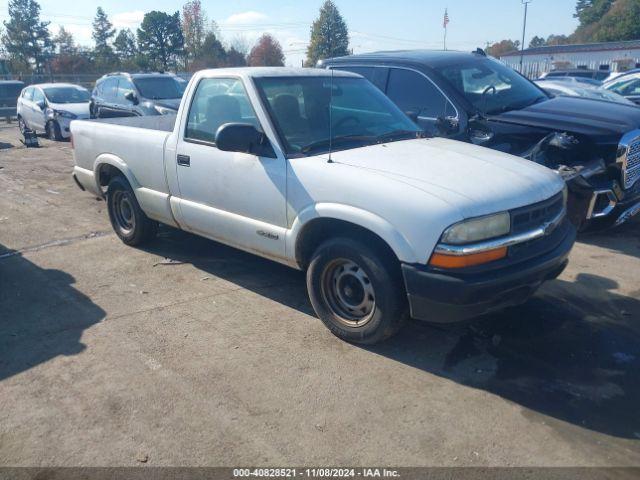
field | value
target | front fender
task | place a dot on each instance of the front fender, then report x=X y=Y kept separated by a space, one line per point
x=362 y=218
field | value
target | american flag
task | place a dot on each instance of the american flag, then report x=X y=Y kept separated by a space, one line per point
x=446 y=18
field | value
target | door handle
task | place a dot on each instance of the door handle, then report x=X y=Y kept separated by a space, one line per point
x=184 y=160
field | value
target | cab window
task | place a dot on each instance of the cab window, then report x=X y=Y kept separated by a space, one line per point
x=218 y=101
x=415 y=94
x=38 y=96
x=28 y=94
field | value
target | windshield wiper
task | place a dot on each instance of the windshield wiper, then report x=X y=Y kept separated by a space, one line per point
x=399 y=133
x=337 y=140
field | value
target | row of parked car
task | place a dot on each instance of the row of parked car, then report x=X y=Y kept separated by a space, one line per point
x=49 y=108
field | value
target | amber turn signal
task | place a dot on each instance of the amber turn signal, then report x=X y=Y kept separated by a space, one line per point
x=441 y=260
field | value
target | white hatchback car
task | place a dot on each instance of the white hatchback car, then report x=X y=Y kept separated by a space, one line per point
x=50 y=108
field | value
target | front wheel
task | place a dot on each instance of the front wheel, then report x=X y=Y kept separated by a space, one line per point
x=356 y=291
x=127 y=218
x=22 y=125
x=53 y=131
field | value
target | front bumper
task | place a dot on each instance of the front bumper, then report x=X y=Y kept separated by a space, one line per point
x=446 y=296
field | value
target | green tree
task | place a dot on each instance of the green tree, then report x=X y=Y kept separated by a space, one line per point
x=267 y=52
x=125 y=45
x=329 y=35
x=103 y=33
x=160 y=35
x=26 y=39
x=591 y=11
x=212 y=53
x=64 y=42
x=537 y=42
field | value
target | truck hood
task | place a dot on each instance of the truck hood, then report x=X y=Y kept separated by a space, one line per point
x=475 y=180
x=602 y=121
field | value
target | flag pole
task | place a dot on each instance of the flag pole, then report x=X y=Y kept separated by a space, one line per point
x=445 y=22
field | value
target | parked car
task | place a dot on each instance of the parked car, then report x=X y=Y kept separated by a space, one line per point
x=627 y=85
x=594 y=145
x=598 y=75
x=50 y=108
x=325 y=174
x=9 y=92
x=584 y=82
x=575 y=89
x=136 y=94
x=614 y=75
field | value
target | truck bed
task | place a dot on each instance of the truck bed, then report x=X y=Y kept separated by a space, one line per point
x=162 y=123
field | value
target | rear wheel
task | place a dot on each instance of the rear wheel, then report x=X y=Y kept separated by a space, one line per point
x=356 y=291
x=127 y=218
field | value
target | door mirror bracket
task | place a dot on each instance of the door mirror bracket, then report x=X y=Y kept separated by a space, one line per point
x=132 y=97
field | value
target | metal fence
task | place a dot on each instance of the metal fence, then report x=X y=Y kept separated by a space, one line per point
x=535 y=69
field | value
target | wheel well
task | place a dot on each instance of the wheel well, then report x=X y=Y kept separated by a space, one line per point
x=322 y=229
x=107 y=172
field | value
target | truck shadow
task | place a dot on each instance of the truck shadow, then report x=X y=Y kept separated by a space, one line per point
x=572 y=352
x=41 y=315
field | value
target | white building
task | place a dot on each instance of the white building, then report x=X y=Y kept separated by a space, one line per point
x=609 y=56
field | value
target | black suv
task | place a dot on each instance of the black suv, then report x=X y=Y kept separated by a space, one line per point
x=593 y=144
x=136 y=94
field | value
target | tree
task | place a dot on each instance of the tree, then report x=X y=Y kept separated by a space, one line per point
x=557 y=40
x=194 y=20
x=607 y=21
x=26 y=39
x=212 y=53
x=591 y=11
x=266 y=52
x=505 y=46
x=235 y=58
x=160 y=35
x=537 y=42
x=64 y=42
x=125 y=45
x=103 y=33
x=329 y=35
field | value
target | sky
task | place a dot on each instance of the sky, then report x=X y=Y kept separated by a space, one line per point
x=373 y=24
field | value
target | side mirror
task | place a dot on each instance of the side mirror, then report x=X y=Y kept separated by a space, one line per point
x=132 y=97
x=41 y=104
x=448 y=125
x=243 y=138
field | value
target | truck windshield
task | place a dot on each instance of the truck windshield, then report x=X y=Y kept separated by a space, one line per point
x=67 y=95
x=316 y=114
x=490 y=86
x=159 y=88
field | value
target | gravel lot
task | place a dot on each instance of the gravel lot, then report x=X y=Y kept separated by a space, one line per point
x=111 y=355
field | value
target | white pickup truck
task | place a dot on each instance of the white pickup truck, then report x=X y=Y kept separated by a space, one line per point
x=320 y=171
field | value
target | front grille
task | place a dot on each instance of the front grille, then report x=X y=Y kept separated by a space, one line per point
x=533 y=216
x=631 y=164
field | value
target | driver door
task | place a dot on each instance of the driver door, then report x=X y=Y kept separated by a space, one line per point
x=236 y=198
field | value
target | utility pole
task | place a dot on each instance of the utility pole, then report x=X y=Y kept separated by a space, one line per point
x=524 y=30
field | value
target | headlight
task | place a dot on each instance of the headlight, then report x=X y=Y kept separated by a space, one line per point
x=478 y=229
x=64 y=114
x=164 y=110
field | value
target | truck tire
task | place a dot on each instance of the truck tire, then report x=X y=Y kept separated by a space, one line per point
x=127 y=218
x=356 y=291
